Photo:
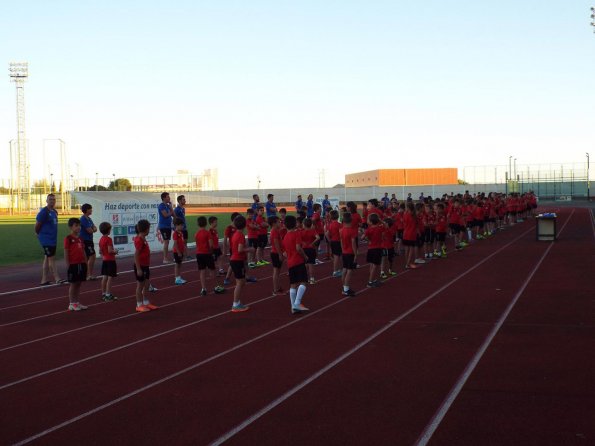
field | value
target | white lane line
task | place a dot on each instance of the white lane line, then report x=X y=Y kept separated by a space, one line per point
x=347 y=354
x=456 y=389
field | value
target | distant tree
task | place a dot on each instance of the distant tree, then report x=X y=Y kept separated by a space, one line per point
x=461 y=181
x=120 y=184
x=4 y=190
x=97 y=187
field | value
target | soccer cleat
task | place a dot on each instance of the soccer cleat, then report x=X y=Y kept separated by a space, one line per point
x=152 y=307
x=264 y=262
x=152 y=289
x=383 y=275
x=142 y=308
x=226 y=282
x=312 y=281
x=74 y=307
x=392 y=273
x=219 y=289
x=251 y=279
x=239 y=308
x=203 y=292
x=349 y=292
x=260 y=263
x=180 y=281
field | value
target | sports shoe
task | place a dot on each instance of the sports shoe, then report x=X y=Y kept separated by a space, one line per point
x=109 y=298
x=76 y=307
x=251 y=279
x=152 y=289
x=142 y=308
x=203 y=292
x=419 y=261
x=435 y=253
x=337 y=274
x=479 y=237
x=383 y=275
x=295 y=310
x=264 y=262
x=180 y=281
x=226 y=282
x=239 y=308
x=444 y=251
x=349 y=292
x=221 y=272
x=318 y=262
x=152 y=307
x=312 y=281
x=279 y=292
x=302 y=307
x=219 y=289
x=411 y=266
x=252 y=265
x=167 y=261
x=392 y=273
x=459 y=247
x=464 y=244
x=373 y=284
x=260 y=263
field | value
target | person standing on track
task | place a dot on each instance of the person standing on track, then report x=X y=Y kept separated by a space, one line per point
x=164 y=224
x=46 y=229
x=88 y=228
x=296 y=264
x=76 y=262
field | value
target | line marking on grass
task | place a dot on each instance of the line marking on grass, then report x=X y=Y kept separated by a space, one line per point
x=435 y=421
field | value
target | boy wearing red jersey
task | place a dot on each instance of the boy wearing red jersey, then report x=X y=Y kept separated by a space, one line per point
x=76 y=262
x=429 y=231
x=455 y=219
x=440 y=228
x=142 y=260
x=262 y=236
x=237 y=262
x=109 y=269
x=204 y=254
x=282 y=228
x=333 y=235
x=252 y=229
x=179 y=249
x=217 y=253
x=409 y=235
x=296 y=263
x=348 y=237
x=227 y=235
x=276 y=252
x=318 y=226
x=374 y=256
x=388 y=249
x=309 y=241
x=420 y=215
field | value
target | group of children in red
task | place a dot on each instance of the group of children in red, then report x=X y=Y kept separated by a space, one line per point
x=416 y=230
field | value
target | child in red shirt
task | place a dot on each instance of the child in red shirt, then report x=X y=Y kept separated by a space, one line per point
x=440 y=231
x=227 y=235
x=409 y=235
x=296 y=264
x=237 y=262
x=76 y=262
x=348 y=237
x=388 y=249
x=252 y=228
x=109 y=269
x=262 y=236
x=333 y=235
x=276 y=252
x=179 y=249
x=310 y=240
x=142 y=260
x=217 y=253
x=374 y=256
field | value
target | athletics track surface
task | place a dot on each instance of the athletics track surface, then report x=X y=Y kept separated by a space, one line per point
x=492 y=346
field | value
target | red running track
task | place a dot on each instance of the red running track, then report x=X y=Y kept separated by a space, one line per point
x=490 y=346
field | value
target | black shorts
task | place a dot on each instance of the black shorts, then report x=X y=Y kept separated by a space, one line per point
x=263 y=240
x=217 y=253
x=239 y=268
x=441 y=236
x=205 y=261
x=77 y=272
x=374 y=256
x=389 y=253
x=456 y=228
x=49 y=251
x=178 y=258
x=409 y=242
x=145 y=273
x=349 y=261
x=420 y=240
x=321 y=237
x=336 y=248
x=89 y=248
x=399 y=234
x=185 y=234
x=429 y=235
x=109 y=268
x=165 y=233
x=276 y=260
x=478 y=223
x=253 y=243
x=311 y=254
x=298 y=274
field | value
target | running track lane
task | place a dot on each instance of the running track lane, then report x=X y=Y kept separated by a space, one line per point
x=307 y=339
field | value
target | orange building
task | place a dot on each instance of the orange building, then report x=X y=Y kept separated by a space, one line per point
x=403 y=177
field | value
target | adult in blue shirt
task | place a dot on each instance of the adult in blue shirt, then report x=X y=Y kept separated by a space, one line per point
x=180 y=212
x=87 y=231
x=326 y=205
x=270 y=207
x=385 y=201
x=299 y=203
x=164 y=223
x=255 y=204
x=310 y=206
x=46 y=228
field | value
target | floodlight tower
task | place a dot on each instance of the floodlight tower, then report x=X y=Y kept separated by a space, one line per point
x=19 y=72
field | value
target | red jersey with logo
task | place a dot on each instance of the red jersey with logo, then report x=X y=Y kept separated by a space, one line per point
x=202 y=238
x=374 y=236
x=347 y=236
x=409 y=226
x=388 y=237
x=76 y=250
x=179 y=243
x=276 y=235
x=441 y=223
x=317 y=222
x=252 y=227
x=144 y=252
x=215 y=237
x=308 y=237
x=290 y=242
x=356 y=220
x=104 y=248
x=262 y=225
x=237 y=239
x=333 y=229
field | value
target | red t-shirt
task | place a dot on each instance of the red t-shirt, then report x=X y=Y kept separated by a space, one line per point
x=431 y=219
x=421 y=226
x=202 y=238
x=308 y=237
x=455 y=216
x=144 y=252
x=333 y=229
x=388 y=237
x=409 y=226
x=290 y=242
x=276 y=235
x=356 y=220
x=441 y=223
x=215 y=236
x=478 y=213
x=252 y=228
x=76 y=250
x=399 y=220
x=179 y=243
x=236 y=240
x=282 y=228
x=104 y=244
x=347 y=236
x=318 y=225
x=262 y=225
x=374 y=236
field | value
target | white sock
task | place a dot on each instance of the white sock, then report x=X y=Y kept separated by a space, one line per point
x=300 y=293
x=146 y=302
x=292 y=296
x=345 y=288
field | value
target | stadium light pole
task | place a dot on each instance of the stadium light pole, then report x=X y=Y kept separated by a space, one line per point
x=588 y=183
x=593 y=17
x=96 y=180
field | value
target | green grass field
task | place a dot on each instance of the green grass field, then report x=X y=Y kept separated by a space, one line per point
x=19 y=244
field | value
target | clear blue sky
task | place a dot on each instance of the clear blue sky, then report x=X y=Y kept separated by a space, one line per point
x=282 y=89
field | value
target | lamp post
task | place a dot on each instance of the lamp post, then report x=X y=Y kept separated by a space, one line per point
x=51 y=183
x=588 y=183
x=96 y=180
x=114 y=183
